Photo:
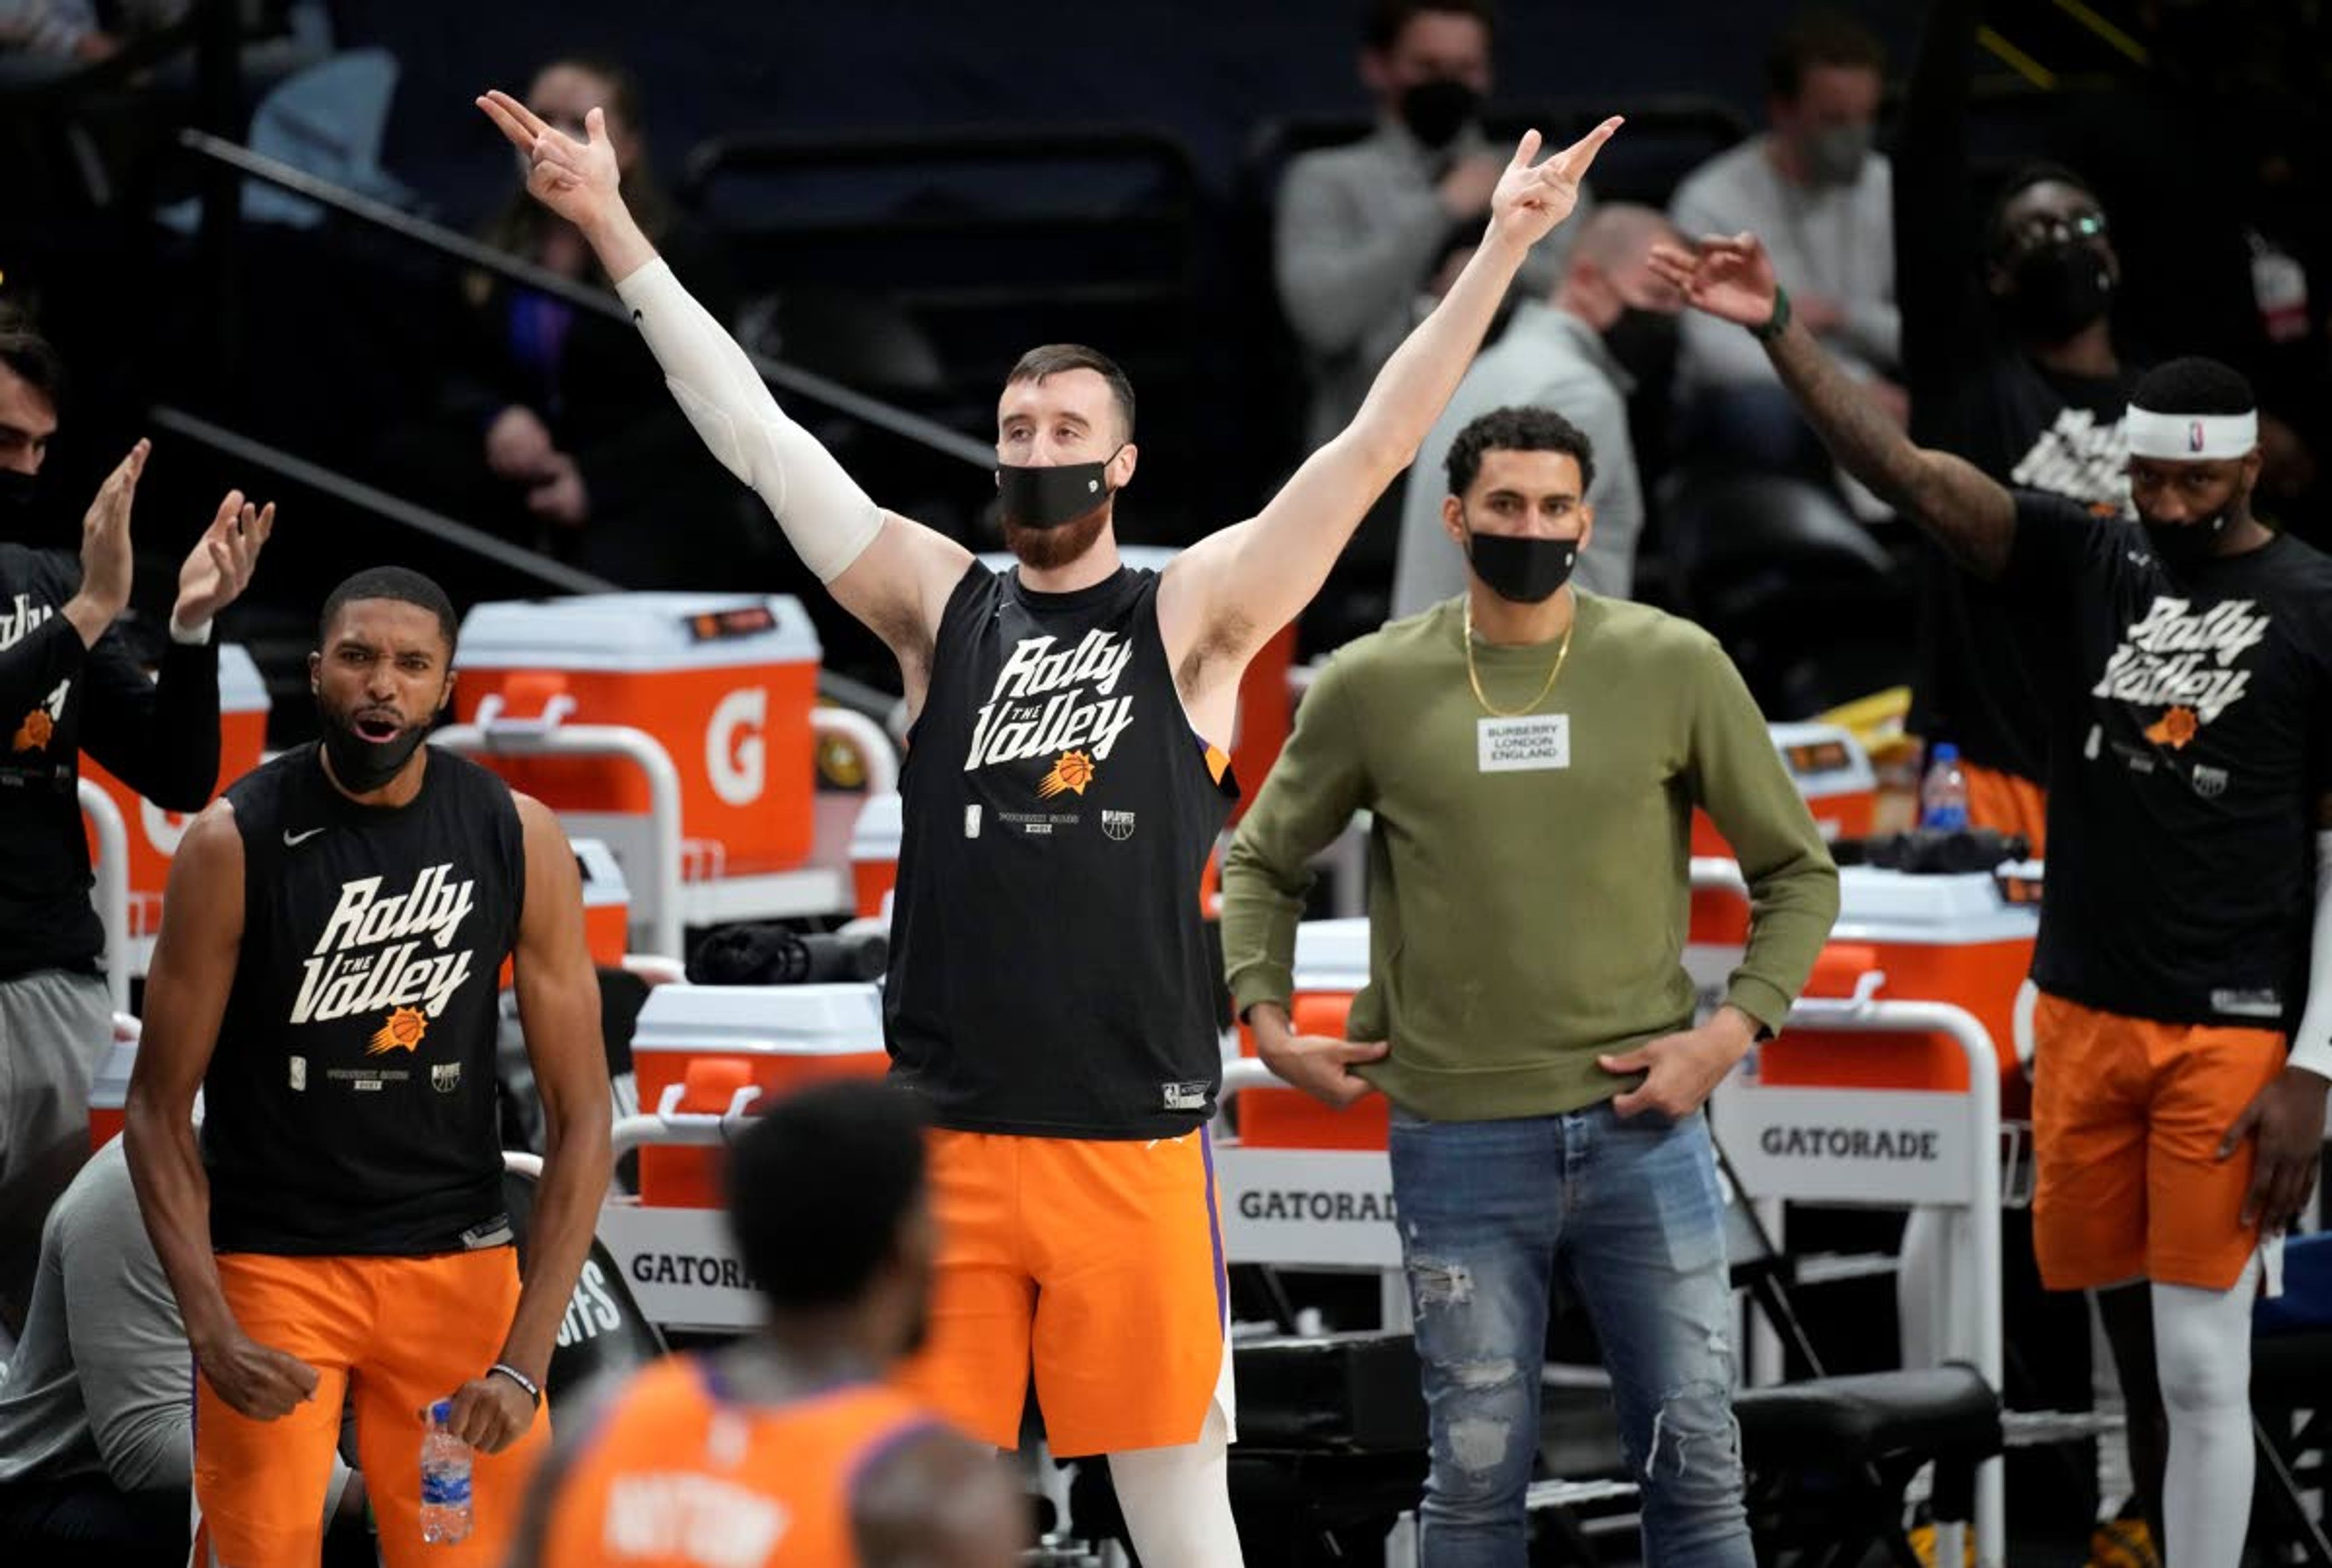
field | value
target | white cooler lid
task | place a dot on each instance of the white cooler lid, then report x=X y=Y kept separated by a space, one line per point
x=240 y=690
x=631 y=632
x=875 y=836
x=109 y=1089
x=603 y=873
x=1879 y=905
x=1331 y=955
x=823 y=1020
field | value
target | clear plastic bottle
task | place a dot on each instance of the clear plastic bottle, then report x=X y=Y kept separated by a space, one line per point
x=444 y=1480
x=1943 y=793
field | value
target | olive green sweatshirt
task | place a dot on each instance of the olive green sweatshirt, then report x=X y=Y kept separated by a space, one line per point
x=1528 y=877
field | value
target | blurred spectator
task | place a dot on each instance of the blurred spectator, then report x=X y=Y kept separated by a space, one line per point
x=2012 y=363
x=2210 y=157
x=554 y=431
x=1578 y=352
x=1361 y=229
x=97 y=1408
x=1822 y=199
x=44 y=38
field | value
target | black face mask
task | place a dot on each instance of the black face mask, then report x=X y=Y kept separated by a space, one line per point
x=2057 y=289
x=1644 y=342
x=1524 y=572
x=16 y=491
x=2183 y=546
x=360 y=766
x=1436 y=111
x=1044 y=498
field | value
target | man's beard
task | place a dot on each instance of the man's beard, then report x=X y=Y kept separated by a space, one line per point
x=1051 y=549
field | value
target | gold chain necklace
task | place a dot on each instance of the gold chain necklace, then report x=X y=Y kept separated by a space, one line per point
x=1475 y=678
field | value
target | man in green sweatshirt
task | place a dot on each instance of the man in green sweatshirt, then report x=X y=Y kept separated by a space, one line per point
x=1531 y=755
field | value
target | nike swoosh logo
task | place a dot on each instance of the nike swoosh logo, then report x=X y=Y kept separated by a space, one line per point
x=291 y=840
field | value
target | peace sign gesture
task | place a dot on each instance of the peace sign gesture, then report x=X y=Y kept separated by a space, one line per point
x=576 y=179
x=1531 y=199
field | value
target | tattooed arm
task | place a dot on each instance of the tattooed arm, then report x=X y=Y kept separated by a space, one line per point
x=1971 y=516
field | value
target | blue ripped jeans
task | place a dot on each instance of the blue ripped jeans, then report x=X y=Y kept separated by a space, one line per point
x=1630 y=1211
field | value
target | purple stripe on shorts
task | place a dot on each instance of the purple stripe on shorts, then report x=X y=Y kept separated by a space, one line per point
x=1215 y=1233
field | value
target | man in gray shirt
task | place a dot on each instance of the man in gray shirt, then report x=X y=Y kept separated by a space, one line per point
x=97 y=1408
x=1824 y=202
x=1567 y=353
x=1361 y=230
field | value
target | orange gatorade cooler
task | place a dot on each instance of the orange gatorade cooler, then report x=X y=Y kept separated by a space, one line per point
x=1267 y=712
x=1832 y=772
x=1332 y=965
x=154 y=833
x=1963 y=939
x=607 y=907
x=724 y=682
x=875 y=853
x=713 y=1041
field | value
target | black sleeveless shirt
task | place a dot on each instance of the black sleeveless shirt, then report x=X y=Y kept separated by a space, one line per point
x=350 y=1105
x=1051 y=975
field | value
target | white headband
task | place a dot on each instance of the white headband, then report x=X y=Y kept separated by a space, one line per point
x=2190 y=437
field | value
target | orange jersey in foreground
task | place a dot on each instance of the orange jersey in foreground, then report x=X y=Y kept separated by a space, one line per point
x=678 y=1474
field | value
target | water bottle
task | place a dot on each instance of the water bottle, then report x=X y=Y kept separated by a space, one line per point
x=444 y=1480
x=1942 y=794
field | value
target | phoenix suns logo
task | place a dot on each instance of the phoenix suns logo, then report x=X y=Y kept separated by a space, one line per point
x=1071 y=774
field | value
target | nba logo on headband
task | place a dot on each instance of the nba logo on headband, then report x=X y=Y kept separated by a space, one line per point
x=2190 y=437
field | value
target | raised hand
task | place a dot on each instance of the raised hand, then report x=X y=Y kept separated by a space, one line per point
x=106 y=561
x=1732 y=280
x=1531 y=199
x=576 y=179
x=218 y=569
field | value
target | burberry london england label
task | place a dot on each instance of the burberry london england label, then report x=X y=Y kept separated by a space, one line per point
x=1534 y=742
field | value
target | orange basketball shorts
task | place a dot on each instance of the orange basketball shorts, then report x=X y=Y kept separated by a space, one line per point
x=2128 y=1115
x=401 y=1333
x=1098 y=1264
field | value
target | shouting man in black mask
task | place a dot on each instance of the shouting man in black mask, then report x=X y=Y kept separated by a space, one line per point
x=1361 y=229
x=69 y=684
x=2186 y=671
x=1052 y=992
x=1529 y=755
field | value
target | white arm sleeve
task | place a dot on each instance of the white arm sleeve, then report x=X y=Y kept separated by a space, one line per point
x=827 y=518
x=2311 y=1042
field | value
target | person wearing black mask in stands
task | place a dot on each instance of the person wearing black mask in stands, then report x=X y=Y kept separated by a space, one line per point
x=68 y=685
x=1361 y=229
x=1608 y=326
x=1813 y=184
x=2012 y=364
